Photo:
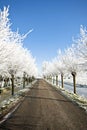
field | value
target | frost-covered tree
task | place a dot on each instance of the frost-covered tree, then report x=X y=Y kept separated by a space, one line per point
x=59 y=66
x=71 y=62
x=5 y=31
x=45 y=66
x=14 y=59
x=82 y=47
x=28 y=65
x=49 y=71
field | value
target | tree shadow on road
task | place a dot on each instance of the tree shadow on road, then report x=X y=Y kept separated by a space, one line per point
x=46 y=98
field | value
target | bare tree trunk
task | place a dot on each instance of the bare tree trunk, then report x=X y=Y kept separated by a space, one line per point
x=27 y=81
x=57 y=80
x=12 y=80
x=50 y=79
x=23 y=82
x=74 y=81
x=5 y=83
x=62 y=83
x=53 y=80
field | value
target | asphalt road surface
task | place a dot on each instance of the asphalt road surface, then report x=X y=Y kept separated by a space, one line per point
x=45 y=108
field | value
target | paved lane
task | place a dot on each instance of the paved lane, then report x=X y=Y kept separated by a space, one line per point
x=44 y=108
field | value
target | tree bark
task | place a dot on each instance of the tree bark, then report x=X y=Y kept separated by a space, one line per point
x=57 y=80
x=53 y=80
x=62 y=83
x=12 y=80
x=50 y=79
x=24 y=82
x=24 y=79
x=27 y=81
x=74 y=81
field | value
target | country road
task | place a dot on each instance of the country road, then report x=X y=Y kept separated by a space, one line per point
x=45 y=108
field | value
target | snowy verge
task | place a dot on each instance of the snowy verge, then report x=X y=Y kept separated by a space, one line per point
x=81 y=101
x=9 y=103
x=12 y=101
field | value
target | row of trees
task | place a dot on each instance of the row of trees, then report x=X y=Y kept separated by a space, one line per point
x=72 y=61
x=15 y=60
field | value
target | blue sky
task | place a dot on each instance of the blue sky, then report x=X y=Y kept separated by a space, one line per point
x=54 y=23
